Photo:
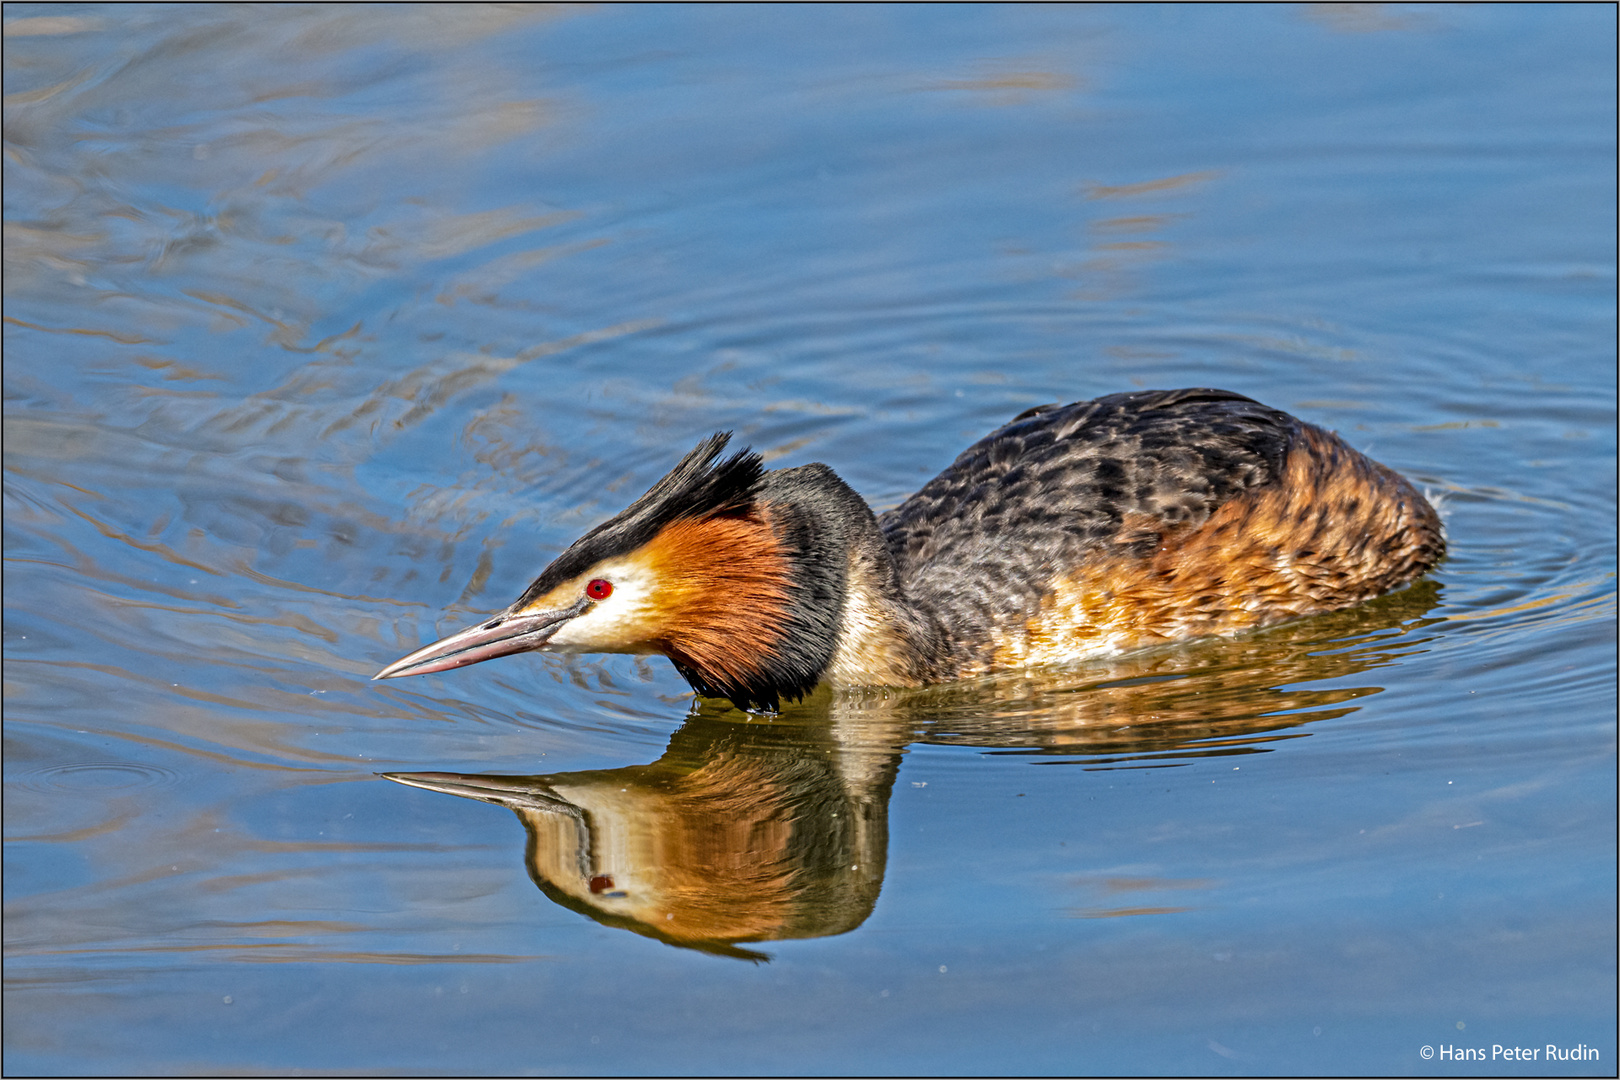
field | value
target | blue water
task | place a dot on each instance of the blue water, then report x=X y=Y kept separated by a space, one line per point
x=326 y=328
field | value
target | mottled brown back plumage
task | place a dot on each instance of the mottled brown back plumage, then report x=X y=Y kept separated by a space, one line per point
x=1144 y=517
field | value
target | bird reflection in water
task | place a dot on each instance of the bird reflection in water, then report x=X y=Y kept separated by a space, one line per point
x=745 y=830
x=752 y=829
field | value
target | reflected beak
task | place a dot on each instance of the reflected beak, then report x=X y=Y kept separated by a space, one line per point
x=502 y=635
x=528 y=792
x=517 y=793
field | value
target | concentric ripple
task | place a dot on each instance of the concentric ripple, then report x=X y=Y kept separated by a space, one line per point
x=98 y=776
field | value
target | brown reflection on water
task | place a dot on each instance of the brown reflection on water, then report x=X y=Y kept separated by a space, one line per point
x=741 y=832
x=1109 y=891
x=754 y=829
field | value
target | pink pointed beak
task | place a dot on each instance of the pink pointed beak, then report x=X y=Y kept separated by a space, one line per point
x=503 y=635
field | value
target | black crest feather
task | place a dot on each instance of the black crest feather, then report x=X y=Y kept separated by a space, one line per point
x=700 y=486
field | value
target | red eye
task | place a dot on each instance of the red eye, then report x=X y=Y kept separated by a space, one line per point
x=599 y=589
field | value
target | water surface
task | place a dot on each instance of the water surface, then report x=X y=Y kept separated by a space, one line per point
x=326 y=328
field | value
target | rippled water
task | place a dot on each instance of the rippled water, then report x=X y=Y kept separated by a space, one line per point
x=327 y=327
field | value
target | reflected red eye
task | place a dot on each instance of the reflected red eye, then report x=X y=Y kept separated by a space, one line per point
x=599 y=589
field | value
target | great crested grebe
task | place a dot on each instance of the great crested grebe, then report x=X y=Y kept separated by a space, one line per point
x=1074 y=530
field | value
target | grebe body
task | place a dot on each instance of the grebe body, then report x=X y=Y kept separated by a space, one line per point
x=1128 y=521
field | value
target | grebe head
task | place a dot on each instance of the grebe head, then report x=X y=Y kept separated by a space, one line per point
x=701 y=568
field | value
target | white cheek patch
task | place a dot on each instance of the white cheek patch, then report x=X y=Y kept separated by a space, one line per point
x=617 y=624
